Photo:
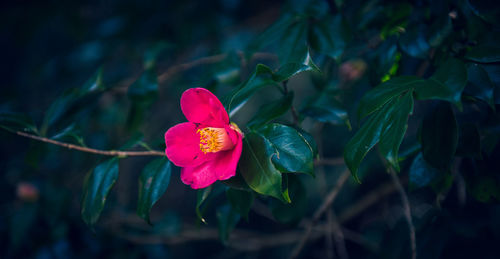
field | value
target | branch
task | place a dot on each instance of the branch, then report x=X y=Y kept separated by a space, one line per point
x=330 y=161
x=407 y=211
x=92 y=150
x=327 y=202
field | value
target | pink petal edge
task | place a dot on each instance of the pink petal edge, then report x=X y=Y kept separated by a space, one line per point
x=201 y=106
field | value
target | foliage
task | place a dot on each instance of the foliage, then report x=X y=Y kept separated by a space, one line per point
x=409 y=88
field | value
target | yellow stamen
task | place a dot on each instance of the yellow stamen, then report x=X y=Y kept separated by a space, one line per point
x=214 y=140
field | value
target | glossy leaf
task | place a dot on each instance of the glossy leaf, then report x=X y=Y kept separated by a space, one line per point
x=153 y=182
x=269 y=112
x=94 y=84
x=439 y=137
x=395 y=128
x=240 y=201
x=96 y=188
x=293 y=43
x=292 y=152
x=447 y=83
x=479 y=84
x=294 y=211
x=383 y=93
x=484 y=54
x=421 y=173
x=227 y=218
x=261 y=77
x=326 y=108
x=366 y=137
x=257 y=168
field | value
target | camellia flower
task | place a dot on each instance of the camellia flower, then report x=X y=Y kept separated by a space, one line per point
x=208 y=146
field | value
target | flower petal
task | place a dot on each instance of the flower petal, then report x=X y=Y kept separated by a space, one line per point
x=221 y=167
x=183 y=145
x=201 y=106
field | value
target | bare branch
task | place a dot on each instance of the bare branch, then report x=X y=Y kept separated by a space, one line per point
x=92 y=150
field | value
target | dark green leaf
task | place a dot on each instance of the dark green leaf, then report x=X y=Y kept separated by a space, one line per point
x=145 y=87
x=94 y=84
x=484 y=54
x=96 y=188
x=153 y=182
x=366 y=137
x=440 y=137
x=469 y=141
x=395 y=128
x=326 y=108
x=486 y=10
x=484 y=188
x=330 y=35
x=380 y=95
x=310 y=140
x=288 y=70
x=439 y=31
x=201 y=196
x=257 y=168
x=237 y=182
x=447 y=83
x=291 y=151
x=414 y=43
x=262 y=76
x=17 y=122
x=267 y=113
x=421 y=173
x=70 y=133
x=293 y=43
x=294 y=211
x=240 y=201
x=227 y=219
x=479 y=84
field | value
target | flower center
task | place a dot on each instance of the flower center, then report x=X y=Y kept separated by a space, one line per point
x=214 y=140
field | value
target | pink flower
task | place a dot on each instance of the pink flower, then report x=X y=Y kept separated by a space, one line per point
x=208 y=146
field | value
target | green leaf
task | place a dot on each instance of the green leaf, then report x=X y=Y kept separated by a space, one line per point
x=201 y=197
x=383 y=93
x=269 y=112
x=257 y=168
x=291 y=151
x=70 y=133
x=294 y=211
x=293 y=43
x=479 y=84
x=241 y=201
x=153 y=182
x=237 y=182
x=227 y=219
x=366 y=137
x=262 y=76
x=94 y=84
x=447 y=83
x=17 y=122
x=484 y=54
x=330 y=35
x=421 y=173
x=309 y=140
x=395 y=128
x=289 y=70
x=439 y=137
x=96 y=188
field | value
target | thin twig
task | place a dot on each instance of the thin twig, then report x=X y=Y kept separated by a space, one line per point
x=330 y=161
x=92 y=150
x=338 y=235
x=327 y=202
x=407 y=211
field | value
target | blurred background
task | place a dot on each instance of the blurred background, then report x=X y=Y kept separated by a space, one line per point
x=48 y=49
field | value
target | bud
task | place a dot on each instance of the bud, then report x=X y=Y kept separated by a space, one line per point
x=352 y=70
x=27 y=192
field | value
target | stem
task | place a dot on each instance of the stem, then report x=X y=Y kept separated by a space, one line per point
x=292 y=109
x=92 y=150
x=327 y=202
